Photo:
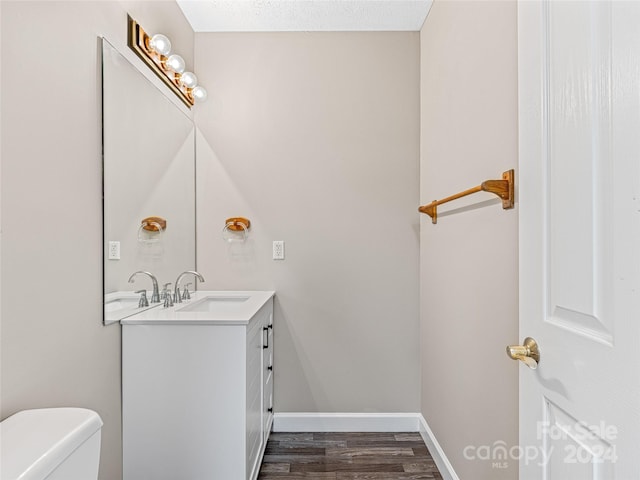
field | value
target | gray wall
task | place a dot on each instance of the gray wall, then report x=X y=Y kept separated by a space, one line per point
x=469 y=260
x=55 y=351
x=314 y=137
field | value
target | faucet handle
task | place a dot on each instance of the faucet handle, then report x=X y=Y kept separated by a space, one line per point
x=185 y=293
x=168 y=300
x=143 y=302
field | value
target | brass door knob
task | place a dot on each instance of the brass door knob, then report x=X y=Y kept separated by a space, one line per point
x=528 y=353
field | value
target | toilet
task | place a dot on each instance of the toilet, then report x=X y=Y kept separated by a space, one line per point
x=50 y=444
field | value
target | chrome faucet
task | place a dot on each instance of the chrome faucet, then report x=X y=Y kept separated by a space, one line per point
x=176 y=291
x=155 y=296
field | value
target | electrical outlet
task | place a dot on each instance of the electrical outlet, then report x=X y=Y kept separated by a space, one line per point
x=114 y=250
x=278 y=249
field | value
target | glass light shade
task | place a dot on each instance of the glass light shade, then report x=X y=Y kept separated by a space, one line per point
x=160 y=44
x=175 y=63
x=189 y=79
x=199 y=93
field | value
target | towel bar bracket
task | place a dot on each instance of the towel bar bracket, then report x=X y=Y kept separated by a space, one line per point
x=502 y=188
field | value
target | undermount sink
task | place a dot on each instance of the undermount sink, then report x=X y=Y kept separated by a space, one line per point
x=213 y=304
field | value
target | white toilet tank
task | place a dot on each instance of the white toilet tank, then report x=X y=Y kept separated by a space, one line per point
x=50 y=444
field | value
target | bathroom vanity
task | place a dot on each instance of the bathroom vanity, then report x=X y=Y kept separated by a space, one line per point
x=197 y=386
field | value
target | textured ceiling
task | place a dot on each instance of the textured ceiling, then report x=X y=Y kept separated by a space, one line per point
x=305 y=15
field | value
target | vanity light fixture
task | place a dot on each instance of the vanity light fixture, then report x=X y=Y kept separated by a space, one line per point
x=155 y=51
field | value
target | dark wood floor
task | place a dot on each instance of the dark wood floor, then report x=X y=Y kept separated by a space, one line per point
x=347 y=456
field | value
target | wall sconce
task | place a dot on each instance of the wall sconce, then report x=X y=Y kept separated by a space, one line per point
x=155 y=51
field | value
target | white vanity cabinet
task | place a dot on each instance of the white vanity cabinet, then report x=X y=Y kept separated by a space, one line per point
x=197 y=394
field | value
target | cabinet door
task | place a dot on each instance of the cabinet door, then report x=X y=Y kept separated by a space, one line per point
x=268 y=369
x=255 y=438
x=184 y=414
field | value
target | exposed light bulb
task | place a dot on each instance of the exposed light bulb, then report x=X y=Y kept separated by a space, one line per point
x=160 y=44
x=199 y=93
x=175 y=63
x=189 y=79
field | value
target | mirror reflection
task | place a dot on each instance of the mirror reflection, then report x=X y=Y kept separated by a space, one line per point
x=148 y=185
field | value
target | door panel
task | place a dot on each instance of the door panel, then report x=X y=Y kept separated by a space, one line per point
x=585 y=454
x=578 y=162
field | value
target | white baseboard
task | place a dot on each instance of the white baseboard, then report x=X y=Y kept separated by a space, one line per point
x=345 y=422
x=367 y=422
x=442 y=462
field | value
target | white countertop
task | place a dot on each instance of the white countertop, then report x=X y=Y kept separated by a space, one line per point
x=223 y=313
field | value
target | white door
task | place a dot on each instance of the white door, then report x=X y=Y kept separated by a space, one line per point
x=579 y=201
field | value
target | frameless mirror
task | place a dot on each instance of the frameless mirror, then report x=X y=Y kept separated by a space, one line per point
x=148 y=171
